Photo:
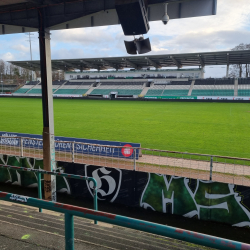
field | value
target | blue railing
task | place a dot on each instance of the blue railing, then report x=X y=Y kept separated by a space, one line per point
x=71 y=211
x=39 y=181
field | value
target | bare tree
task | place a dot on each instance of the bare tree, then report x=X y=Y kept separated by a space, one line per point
x=239 y=70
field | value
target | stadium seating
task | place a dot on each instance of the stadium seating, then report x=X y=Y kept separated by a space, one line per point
x=213 y=87
x=73 y=88
x=156 y=90
x=128 y=88
x=26 y=87
x=244 y=87
x=123 y=88
x=173 y=88
x=22 y=90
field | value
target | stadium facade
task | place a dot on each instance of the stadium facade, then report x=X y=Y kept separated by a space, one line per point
x=135 y=74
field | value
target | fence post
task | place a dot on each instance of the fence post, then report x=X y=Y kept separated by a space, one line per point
x=69 y=231
x=211 y=167
x=21 y=145
x=95 y=200
x=134 y=159
x=73 y=151
x=39 y=190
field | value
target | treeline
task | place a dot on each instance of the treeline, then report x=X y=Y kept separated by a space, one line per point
x=11 y=74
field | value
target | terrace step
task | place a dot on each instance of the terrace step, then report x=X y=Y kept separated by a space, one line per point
x=19 y=220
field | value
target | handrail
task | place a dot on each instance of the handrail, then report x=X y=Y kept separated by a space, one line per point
x=172 y=232
x=79 y=177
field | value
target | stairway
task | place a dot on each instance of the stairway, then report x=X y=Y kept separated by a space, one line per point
x=32 y=88
x=144 y=91
x=26 y=228
x=90 y=89
x=59 y=86
x=191 y=88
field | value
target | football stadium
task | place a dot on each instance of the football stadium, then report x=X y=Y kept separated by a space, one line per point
x=129 y=152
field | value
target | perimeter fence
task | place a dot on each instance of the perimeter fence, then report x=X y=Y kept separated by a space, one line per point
x=191 y=165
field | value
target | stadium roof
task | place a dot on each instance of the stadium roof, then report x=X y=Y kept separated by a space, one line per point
x=18 y=16
x=137 y=62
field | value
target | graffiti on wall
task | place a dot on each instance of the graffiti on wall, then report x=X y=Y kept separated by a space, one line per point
x=28 y=179
x=205 y=200
x=108 y=182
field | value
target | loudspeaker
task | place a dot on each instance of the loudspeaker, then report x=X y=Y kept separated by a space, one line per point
x=141 y=45
x=130 y=47
x=133 y=16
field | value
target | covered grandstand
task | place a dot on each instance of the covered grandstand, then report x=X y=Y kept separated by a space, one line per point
x=142 y=76
x=143 y=88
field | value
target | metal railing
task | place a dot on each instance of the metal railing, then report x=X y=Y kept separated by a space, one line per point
x=39 y=181
x=191 y=165
x=71 y=211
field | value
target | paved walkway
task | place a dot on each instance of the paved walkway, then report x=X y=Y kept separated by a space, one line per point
x=22 y=227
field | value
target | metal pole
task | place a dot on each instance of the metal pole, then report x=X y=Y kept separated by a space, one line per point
x=134 y=159
x=69 y=231
x=73 y=152
x=227 y=73
x=2 y=81
x=39 y=190
x=211 y=167
x=47 y=104
x=95 y=200
x=21 y=145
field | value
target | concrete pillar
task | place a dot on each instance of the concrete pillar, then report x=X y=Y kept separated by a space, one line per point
x=34 y=77
x=47 y=104
x=227 y=74
x=202 y=72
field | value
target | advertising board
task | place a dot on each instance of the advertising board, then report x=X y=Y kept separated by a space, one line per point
x=171 y=97
x=55 y=95
x=92 y=147
x=231 y=98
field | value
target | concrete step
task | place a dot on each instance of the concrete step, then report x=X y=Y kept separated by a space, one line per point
x=105 y=236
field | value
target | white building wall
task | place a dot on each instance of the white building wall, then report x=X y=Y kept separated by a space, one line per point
x=155 y=74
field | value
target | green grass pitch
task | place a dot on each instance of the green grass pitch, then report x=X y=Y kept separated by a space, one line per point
x=210 y=128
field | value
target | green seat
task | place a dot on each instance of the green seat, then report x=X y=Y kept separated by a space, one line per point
x=80 y=91
x=154 y=92
x=35 y=91
x=64 y=91
x=175 y=92
x=244 y=92
x=216 y=92
x=21 y=91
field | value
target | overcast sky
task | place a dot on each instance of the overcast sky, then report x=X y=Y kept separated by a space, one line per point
x=224 y=31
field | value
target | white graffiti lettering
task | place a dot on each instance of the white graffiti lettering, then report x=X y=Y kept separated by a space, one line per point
x=20 y=198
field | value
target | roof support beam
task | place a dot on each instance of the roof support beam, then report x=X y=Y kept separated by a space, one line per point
x=71 y=65
x=156 y=65
x=130 y=63
x=176 y=62
x=115 y=66
x=90 y=65
x=201 y=61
